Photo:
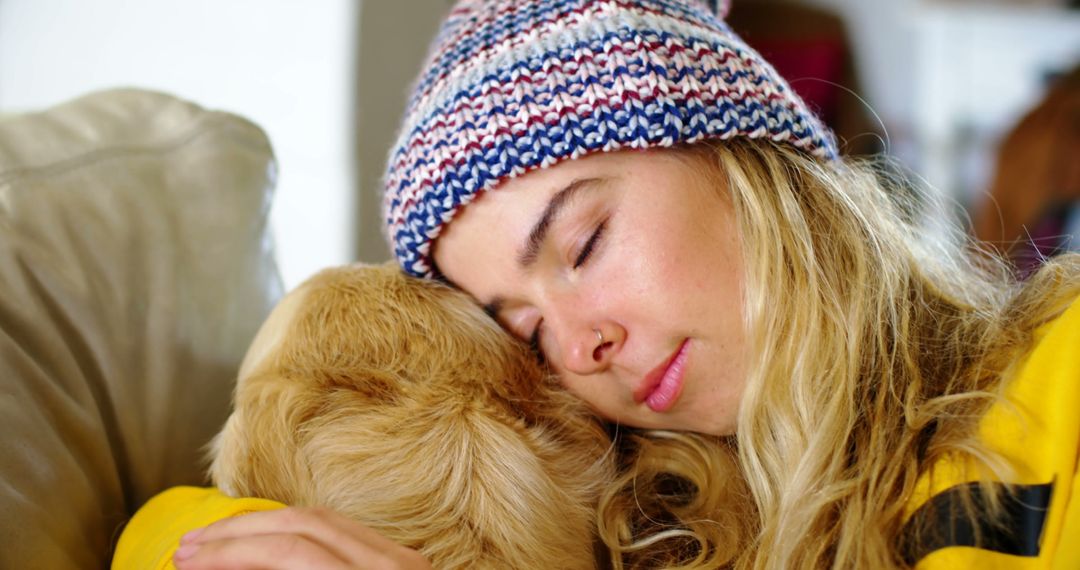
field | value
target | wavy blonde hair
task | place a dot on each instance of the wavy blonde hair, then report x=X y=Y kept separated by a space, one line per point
x=877 y=344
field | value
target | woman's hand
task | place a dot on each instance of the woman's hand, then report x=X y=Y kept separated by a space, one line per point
x=293 y=538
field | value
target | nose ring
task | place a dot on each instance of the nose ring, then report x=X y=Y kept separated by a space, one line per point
x=599 y=336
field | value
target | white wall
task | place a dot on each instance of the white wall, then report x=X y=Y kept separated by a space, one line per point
x=882 y=36
x=948 y=77
x=394 y=38
x=285 y=64
x=981 y=71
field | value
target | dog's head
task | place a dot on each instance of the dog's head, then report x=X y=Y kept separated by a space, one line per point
x=399 y=403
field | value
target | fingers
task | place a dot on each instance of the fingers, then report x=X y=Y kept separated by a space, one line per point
x=266 y=551
x=292 y=538
x=318 y=526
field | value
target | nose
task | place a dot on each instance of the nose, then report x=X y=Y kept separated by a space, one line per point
x=589 y=347
x=582 y=336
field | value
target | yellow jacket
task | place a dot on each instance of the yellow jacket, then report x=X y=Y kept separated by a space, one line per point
x=1037 y=430
x=153 y=534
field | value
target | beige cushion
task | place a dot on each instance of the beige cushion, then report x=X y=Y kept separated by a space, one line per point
x=135 y=268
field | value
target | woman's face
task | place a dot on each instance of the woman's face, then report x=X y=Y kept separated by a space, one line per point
x=636 y=247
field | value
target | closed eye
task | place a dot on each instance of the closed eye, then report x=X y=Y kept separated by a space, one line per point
x=590 y=245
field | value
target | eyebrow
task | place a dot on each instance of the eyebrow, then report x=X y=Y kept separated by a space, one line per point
x=535 y=242
x=538 y=235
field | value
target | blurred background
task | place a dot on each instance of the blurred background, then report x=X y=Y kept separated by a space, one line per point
x=952 y=89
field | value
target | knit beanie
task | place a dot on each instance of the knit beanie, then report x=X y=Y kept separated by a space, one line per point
x=513 y=85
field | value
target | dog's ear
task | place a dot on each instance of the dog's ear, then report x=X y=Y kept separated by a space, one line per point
x=258 y=453
x=464 y=481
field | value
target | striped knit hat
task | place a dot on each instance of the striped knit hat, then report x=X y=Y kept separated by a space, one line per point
x=513 y=85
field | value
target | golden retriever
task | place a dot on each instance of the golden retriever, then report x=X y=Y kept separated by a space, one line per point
x=399 y=403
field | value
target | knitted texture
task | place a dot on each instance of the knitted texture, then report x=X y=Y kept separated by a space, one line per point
x=513 y=85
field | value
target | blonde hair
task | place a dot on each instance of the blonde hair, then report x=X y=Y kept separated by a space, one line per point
x=877 y=345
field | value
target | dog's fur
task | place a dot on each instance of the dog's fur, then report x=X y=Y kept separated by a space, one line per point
x=398 y=403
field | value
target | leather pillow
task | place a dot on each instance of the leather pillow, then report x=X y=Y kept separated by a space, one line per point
x=135 y=268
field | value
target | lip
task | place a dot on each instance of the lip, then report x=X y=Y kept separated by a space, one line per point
x=662 y=385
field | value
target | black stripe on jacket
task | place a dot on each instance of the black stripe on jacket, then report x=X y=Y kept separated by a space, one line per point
x=941 y=522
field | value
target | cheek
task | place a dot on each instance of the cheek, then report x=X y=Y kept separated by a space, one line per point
x=662 y=268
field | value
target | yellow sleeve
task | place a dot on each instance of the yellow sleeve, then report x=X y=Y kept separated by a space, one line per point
x=153 y=534
x=1038 y=432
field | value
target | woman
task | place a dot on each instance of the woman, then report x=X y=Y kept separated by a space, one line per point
x=808 y=377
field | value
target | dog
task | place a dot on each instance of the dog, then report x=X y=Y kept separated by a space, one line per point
x=397 y=402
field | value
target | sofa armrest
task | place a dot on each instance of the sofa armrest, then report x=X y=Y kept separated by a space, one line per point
x=135 y=267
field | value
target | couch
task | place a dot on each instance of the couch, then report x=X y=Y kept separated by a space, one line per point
x=135 y=267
